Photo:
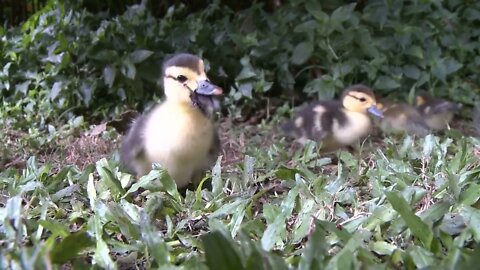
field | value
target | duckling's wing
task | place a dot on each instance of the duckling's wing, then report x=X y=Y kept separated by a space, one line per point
x=210 y=159
x=215 y=149
x=439 y=106
x=324 y=114
x=313 y=122
x=132 y=150
x=417 y=127
x=445 y=106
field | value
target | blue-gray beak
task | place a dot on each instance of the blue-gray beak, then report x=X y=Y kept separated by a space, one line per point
x=375 y=111
x=208 y=89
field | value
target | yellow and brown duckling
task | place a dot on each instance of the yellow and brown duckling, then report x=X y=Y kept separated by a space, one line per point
x=400 y=118
x=335 y=123
x=179 y=134
x=436 y=112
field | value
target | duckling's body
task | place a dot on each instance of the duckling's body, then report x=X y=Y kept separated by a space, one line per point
x=179 y=133
x=402 y=118
x=335 y=123
x=436 y=112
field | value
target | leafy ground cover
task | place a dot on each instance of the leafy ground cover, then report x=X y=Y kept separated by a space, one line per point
x=398 y=202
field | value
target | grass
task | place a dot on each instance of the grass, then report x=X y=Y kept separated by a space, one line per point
x=396 y=203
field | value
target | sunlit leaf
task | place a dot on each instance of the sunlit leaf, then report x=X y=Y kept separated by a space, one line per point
x=70 y=247
x=472 y=219
x=217 y=183
x=416 y=225
x=109 y=73
x=128 y=69
x=383 y=248
x=55 y=227
x=220 y=252
x=154 y=242
x=56 y=88
x=139 y=56
x=275 y=230
x=315 y=250
x=110 y=180
x=421 y=257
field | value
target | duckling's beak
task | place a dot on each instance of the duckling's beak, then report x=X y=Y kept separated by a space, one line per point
x=208 y=89
x=375 y=111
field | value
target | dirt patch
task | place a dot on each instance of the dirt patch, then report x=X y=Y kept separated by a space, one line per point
x=85 y=150
x=89 y=147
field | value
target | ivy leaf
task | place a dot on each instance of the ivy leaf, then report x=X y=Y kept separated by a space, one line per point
x=416 y=51
x=109 y=73
x=411 y=72
x=452 y=65
x=86 y=89
x=22 y=87
x=56 y=88
x=128 y=69
x=385 y=82
x=139 y=56
x=302 y=52
x=342 y=14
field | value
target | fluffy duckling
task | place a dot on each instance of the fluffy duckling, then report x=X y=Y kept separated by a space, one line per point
x=179 y=134
x=436 y=112
x=401 y=118
x=335 y=123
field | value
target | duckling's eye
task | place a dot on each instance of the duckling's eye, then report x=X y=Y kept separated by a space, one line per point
x=181 y=78
x=362 y=99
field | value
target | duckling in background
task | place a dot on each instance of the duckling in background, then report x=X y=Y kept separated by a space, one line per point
x=436 y=112
x=335 y=123
x=402 y=118
x=179 y=134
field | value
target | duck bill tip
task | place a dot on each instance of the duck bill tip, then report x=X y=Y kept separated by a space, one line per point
x=375 y=111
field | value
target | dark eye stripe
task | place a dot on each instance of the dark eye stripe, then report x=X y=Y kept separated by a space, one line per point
x=362 y=99
x=181 y=78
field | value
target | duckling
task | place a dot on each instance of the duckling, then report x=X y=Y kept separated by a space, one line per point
x=436 y=112
x=401 y=118
x=179 y=133
x=335 y=123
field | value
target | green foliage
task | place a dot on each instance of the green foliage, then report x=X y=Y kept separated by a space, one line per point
x=412 y=205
